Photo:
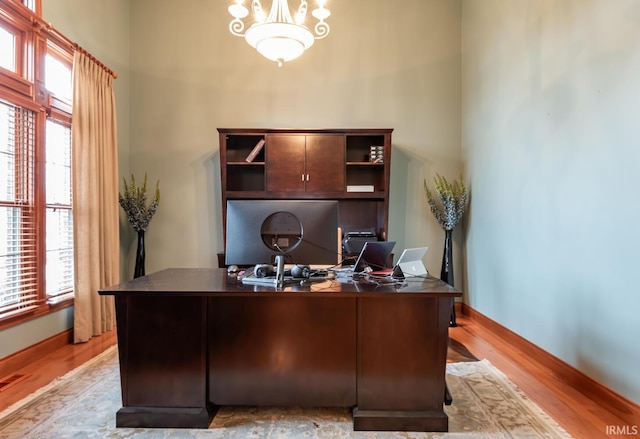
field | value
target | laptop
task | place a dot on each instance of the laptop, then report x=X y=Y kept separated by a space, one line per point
x=410 y=263
x=374 y=257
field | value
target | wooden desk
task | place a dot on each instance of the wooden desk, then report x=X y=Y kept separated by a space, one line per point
x=191 y=340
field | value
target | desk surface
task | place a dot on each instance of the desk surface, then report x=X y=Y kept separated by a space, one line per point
x=216 y=281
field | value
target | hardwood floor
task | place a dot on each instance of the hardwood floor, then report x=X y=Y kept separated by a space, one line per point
x=42 y=371
x=471 y=340
x=574 y=410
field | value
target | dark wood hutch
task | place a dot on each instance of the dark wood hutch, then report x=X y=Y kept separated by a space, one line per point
x=351 y=166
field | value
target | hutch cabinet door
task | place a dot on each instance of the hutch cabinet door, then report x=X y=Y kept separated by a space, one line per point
x=313 y=163
x=285 y=163
x=325 y=163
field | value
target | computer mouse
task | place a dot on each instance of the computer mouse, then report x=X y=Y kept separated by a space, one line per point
x=232 y=269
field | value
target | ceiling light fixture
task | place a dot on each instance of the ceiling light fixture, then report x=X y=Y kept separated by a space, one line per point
x=277 y=36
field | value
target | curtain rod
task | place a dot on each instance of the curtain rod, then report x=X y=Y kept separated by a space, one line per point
x=95 y=60
x=48 y=27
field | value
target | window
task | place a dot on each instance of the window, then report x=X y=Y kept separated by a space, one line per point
x=18 y=246
x=34 y=5
x=36 y=211
x=59 y=220
x=58 y=74
x=8 y=53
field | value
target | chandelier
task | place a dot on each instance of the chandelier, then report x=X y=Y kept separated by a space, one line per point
x=277 y=36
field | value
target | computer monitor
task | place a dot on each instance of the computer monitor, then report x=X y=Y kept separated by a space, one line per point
x=304 y=231
x=375 y=255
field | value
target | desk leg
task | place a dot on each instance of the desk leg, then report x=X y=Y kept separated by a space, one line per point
x=162 y=349
x=401 y=385
x=160 y=417
x=452 y=320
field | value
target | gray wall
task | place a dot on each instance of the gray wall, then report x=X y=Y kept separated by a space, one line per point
x=551 y=93
x=189 y=76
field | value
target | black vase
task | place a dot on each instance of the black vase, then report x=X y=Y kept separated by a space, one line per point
x=139 y=270
x=446 y=273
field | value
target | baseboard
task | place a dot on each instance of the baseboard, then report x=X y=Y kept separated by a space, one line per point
x=624 y=408
x=26 y=356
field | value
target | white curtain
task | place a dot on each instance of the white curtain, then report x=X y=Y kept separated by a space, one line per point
x=95 y=197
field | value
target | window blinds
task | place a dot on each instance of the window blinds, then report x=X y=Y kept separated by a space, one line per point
x=59 y=218
x=18 y=221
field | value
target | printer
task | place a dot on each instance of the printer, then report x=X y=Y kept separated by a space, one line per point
x=354 y=241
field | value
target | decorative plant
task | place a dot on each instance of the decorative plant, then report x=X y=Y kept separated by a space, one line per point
x=449 y=201
x=134 y=203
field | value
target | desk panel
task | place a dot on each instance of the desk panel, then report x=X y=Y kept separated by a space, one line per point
x=161 y=342
x=402 y=354
x=282 y=351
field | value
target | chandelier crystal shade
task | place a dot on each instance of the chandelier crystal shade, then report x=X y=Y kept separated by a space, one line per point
x=278 y=36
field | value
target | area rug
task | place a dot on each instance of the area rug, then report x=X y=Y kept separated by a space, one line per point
x=83 y=403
